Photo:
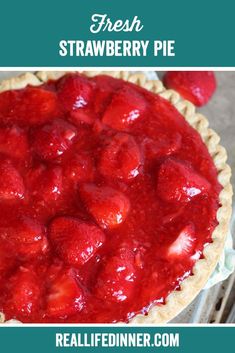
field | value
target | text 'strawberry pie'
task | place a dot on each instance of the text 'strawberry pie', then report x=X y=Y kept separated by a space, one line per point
x=115 y=199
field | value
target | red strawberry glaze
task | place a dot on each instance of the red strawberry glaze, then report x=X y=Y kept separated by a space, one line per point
x=107 y=199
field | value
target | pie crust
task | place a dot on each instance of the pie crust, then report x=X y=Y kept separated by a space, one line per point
x=203 y=268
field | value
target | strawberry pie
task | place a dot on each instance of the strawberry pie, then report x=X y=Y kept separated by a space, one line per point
x=115 y=199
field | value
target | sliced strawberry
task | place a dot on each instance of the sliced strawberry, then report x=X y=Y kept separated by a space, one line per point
x=121 y=158
x=82 y=116
x=75 y=241
x=196 y=86
x=27 y=230
x=14 y=142
x=106 y=86
x=184 y=244
x=79 y=168
x=51 y=141
x=179 y=182
x=107 y=83
x=163 y=146
x=45 y=183
x=31 y=106
x=125 y=108
x=109 y=207
x=116 y=280
x=11 y=182
x=74 y=92
x=24 y=295
x=38 y=106
x=65 y=296
x=27 y=235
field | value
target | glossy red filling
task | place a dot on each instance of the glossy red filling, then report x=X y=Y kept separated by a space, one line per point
x=107 y=199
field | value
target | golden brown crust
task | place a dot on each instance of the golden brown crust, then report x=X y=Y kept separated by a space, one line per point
x=20 y=82
x=203 y=268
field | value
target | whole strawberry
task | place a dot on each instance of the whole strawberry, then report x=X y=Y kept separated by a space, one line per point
x=195 y=86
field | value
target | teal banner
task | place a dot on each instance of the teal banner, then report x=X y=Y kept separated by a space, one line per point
x=116 y=339
x=119 y=33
